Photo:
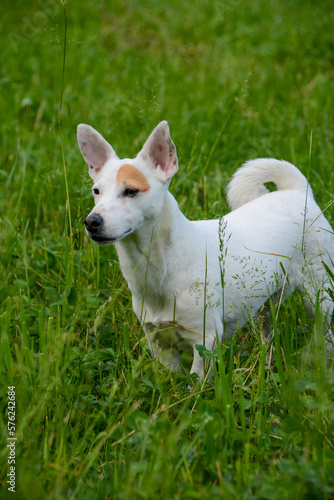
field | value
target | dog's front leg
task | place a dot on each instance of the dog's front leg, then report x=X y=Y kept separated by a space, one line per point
x=200 y=365
x=167 y=355
x=160 y=338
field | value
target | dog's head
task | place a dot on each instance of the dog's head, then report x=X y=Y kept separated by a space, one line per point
x=127 y=192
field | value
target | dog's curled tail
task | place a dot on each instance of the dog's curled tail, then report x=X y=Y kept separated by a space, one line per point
x=248 y=181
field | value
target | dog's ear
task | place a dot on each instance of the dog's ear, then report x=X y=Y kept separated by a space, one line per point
x=160 y=151
x=94 y=148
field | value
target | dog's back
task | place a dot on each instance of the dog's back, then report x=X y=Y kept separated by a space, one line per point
x=311 y=274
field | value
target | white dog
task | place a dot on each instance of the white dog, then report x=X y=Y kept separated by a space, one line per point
x=194 y=282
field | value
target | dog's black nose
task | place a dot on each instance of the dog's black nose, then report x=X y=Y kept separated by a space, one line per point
x=93 y=223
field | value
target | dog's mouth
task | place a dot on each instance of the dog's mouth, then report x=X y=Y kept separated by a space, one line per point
x=103 y=240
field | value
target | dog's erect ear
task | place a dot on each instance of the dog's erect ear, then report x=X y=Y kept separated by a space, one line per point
x=159 y=149
x=94 y=148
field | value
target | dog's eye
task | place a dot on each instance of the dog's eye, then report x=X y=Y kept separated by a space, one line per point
x=96 y=191
x=130 y=192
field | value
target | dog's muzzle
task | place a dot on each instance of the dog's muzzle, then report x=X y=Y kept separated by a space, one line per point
x=93 y=223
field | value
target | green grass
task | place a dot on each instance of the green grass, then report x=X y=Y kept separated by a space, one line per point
x=96 y=416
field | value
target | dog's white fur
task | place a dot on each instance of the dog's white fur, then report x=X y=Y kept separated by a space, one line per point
x=192 y=282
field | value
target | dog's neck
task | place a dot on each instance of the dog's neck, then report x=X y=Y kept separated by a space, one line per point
x=146 y=255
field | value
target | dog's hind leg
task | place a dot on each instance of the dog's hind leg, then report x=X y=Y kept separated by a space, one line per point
x=327 y=307
x=319 y=293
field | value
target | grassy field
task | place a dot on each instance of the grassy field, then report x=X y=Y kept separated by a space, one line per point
x=96 y=417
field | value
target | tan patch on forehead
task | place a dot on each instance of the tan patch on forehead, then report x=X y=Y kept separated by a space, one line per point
x=131 y=178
